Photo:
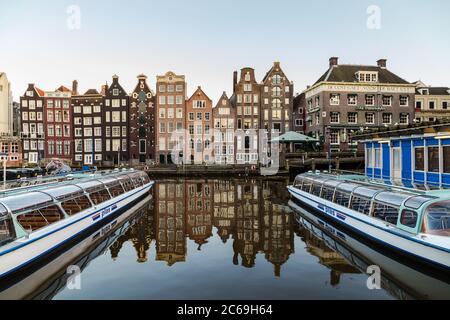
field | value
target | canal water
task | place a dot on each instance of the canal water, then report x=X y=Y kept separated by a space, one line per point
x=223 y=239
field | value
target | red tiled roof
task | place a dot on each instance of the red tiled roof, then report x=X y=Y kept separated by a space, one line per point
x=40 y=92
x=63 y=89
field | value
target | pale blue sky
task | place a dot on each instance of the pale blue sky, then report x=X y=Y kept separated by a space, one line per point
x=207 y=40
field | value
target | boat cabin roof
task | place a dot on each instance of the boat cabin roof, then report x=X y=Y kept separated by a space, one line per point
x=64 y=191
x=393 y=198
x=367 y=192
x=42 y=197
x=26 y=201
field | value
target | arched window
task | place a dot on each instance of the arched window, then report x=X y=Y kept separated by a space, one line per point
x=276 y=91
x=276 y=103
x=276 y=79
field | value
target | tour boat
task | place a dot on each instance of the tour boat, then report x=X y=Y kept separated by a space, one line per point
x=42 y=221
x=45 y=282
x=412 y=223
x=395 y=275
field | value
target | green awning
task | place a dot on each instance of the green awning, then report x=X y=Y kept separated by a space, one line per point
x=294 y=137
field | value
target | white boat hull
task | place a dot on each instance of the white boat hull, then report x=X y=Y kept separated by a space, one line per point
x=378 y=231
x=25 y=251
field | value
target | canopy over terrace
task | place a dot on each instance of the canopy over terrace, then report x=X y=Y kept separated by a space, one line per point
x=293 y=137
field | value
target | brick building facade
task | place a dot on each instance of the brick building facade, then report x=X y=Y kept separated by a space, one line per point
x=348 y=98
x=115 y=124
x=142 y=123
x=171 y=111
x=199 y=129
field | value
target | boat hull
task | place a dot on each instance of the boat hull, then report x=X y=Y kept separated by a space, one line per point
x=30 y=253
x=377 y=233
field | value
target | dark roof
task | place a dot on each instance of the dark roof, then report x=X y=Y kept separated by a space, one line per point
x=436 y=91
x=346 y=73
x=92 y=92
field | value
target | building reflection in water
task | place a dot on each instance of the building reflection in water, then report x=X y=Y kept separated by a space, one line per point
x=252 y=213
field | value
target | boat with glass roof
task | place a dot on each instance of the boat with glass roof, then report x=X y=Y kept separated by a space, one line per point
x=413 y=223
x=38 y=221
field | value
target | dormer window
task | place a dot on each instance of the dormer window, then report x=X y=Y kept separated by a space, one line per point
x=367 y=76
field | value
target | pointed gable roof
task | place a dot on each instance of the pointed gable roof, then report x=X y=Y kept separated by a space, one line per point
x=115 y=85
x=137 y=89
x=275 y=68
x=198 y=92
x=224 y=96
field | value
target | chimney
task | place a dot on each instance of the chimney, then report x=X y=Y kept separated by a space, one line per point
x=75 y=88
x=382 y=63
x=334 y=61
x=235 y=80
x=104 y=89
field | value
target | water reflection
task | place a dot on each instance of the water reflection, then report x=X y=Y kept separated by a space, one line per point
x=250 y=213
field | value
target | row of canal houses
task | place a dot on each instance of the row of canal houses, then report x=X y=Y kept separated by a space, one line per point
x=113 y=126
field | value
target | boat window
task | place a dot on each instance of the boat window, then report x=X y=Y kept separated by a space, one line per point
x=409 y=218
x=39 y=218
x=307 y=184
x=417 y=202
x=7 y=231
x=433 y=159
x=145 y=178
x=298 y=182
x=316 y=189
x=76 y=205
x=437 y=219
x=137 y=180
x=386 y=213
x=126 y=182
x=115 y=189
x=361 y=204
x=342 y=198
x=393 y=198
x=419 y=159
x=328 y=193
x=98 y=195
